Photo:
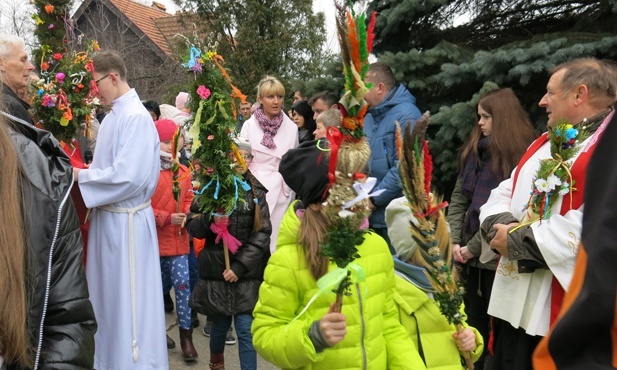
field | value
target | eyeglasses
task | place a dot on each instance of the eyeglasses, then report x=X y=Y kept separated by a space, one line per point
x=247 y=157
x=101 y=79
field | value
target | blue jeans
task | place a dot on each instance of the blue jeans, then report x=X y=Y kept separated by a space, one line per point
x=175 y=269
x=193 y=271
x=246 y=351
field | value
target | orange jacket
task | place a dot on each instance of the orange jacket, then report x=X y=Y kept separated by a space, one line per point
x=171 y=242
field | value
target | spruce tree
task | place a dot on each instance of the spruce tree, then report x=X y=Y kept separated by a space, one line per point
x=504 y=43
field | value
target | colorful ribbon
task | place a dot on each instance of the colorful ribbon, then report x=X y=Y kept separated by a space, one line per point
x=335 y=138
x=333 y=278
x=221 y=229
x=364 y=191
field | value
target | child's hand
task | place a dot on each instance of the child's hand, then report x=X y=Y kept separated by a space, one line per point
x=178 y=218
x=466 y=340
x=333 y=327
x=230 y=276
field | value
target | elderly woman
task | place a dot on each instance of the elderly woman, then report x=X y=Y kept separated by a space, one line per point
x=271 y=134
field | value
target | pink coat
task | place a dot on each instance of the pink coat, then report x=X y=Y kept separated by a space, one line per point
x=170 y=242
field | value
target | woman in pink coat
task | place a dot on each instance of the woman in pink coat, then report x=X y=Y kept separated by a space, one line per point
x=271 y=134
x=173 y=238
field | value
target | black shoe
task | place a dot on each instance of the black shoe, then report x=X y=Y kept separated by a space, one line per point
x=170 y=343
x=207 y=328
x=194 y=319
x=169 y=304
x=230 y=339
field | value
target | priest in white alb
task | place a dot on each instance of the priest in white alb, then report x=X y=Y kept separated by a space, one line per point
x=537 y=257
x=123 y=268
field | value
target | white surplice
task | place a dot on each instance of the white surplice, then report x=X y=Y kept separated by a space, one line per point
x=123 y=175
x=524 y=300
x=265 y=167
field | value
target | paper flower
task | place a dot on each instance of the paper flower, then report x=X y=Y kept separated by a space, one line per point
x=60 y=77
x=542 y=185
x=48 y=101
x=57 y=56
x=203 y=92
x=49 y=8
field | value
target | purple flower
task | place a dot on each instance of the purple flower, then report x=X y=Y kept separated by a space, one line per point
x=48 y=101
x=60 y=77
x=51 y=26
x=203 y=92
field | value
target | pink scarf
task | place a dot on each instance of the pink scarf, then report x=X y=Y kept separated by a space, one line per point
x=268 y=126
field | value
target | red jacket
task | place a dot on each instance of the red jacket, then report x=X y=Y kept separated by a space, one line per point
x=171 y=243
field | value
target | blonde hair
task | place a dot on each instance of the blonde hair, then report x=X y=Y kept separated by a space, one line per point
x=269 y=85
x=14 y=340
x=312 y=230
x=330 y=118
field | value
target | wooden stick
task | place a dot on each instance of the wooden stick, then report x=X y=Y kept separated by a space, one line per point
x=466 y=354
x=226 y=249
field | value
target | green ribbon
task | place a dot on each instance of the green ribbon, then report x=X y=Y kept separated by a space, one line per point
x=196 y=128
x=334 y=278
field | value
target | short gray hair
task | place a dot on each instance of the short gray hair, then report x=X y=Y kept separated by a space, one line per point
x=7 y=42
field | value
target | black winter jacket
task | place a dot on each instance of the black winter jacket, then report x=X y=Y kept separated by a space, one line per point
x=60 y=318
x=212 y=294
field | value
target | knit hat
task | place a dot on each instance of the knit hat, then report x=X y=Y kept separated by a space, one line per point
x=243 y=143
x=398 y=216
x=166 y=129
x=182 y=100
x=305 y=170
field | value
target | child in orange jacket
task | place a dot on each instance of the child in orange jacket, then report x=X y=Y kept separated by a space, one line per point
x=170 y=216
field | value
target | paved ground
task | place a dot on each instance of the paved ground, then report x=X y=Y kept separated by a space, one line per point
x=202 y=345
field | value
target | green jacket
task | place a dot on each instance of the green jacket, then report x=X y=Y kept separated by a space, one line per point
x=419 y=314
x=375 y=339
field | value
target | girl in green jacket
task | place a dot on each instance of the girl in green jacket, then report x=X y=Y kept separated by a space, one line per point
x=437 y=341
x=292 y=332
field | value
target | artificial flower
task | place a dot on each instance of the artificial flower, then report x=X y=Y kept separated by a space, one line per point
x=210 y=137
x=553 y=181
x=57 y=56
x=49 y=8
x=44 y=66
x=51 y=26
x=60 y=77
x=542 y=185
x=203 y=92
x=48 y=101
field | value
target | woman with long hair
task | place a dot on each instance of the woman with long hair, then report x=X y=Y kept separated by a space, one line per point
x=302 y=115
x=491 y=152
x=271 y=134
x=46 y=319
x=295 y=325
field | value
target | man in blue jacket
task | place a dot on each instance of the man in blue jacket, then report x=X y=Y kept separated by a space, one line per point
x=389 y=102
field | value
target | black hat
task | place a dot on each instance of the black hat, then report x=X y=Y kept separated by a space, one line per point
x=305 y=170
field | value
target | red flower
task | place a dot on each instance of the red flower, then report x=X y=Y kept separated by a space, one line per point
x=57 y=56
x=44 y=66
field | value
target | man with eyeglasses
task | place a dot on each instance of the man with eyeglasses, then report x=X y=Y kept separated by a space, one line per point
x=123 y=269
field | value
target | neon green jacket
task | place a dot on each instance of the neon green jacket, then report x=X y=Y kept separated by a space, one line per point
x=418 y=310
x=375 y=339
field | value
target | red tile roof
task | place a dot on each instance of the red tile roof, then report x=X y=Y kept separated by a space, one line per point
x=157 y=25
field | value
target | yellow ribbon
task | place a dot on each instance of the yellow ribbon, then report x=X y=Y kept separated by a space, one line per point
x=333 y=278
